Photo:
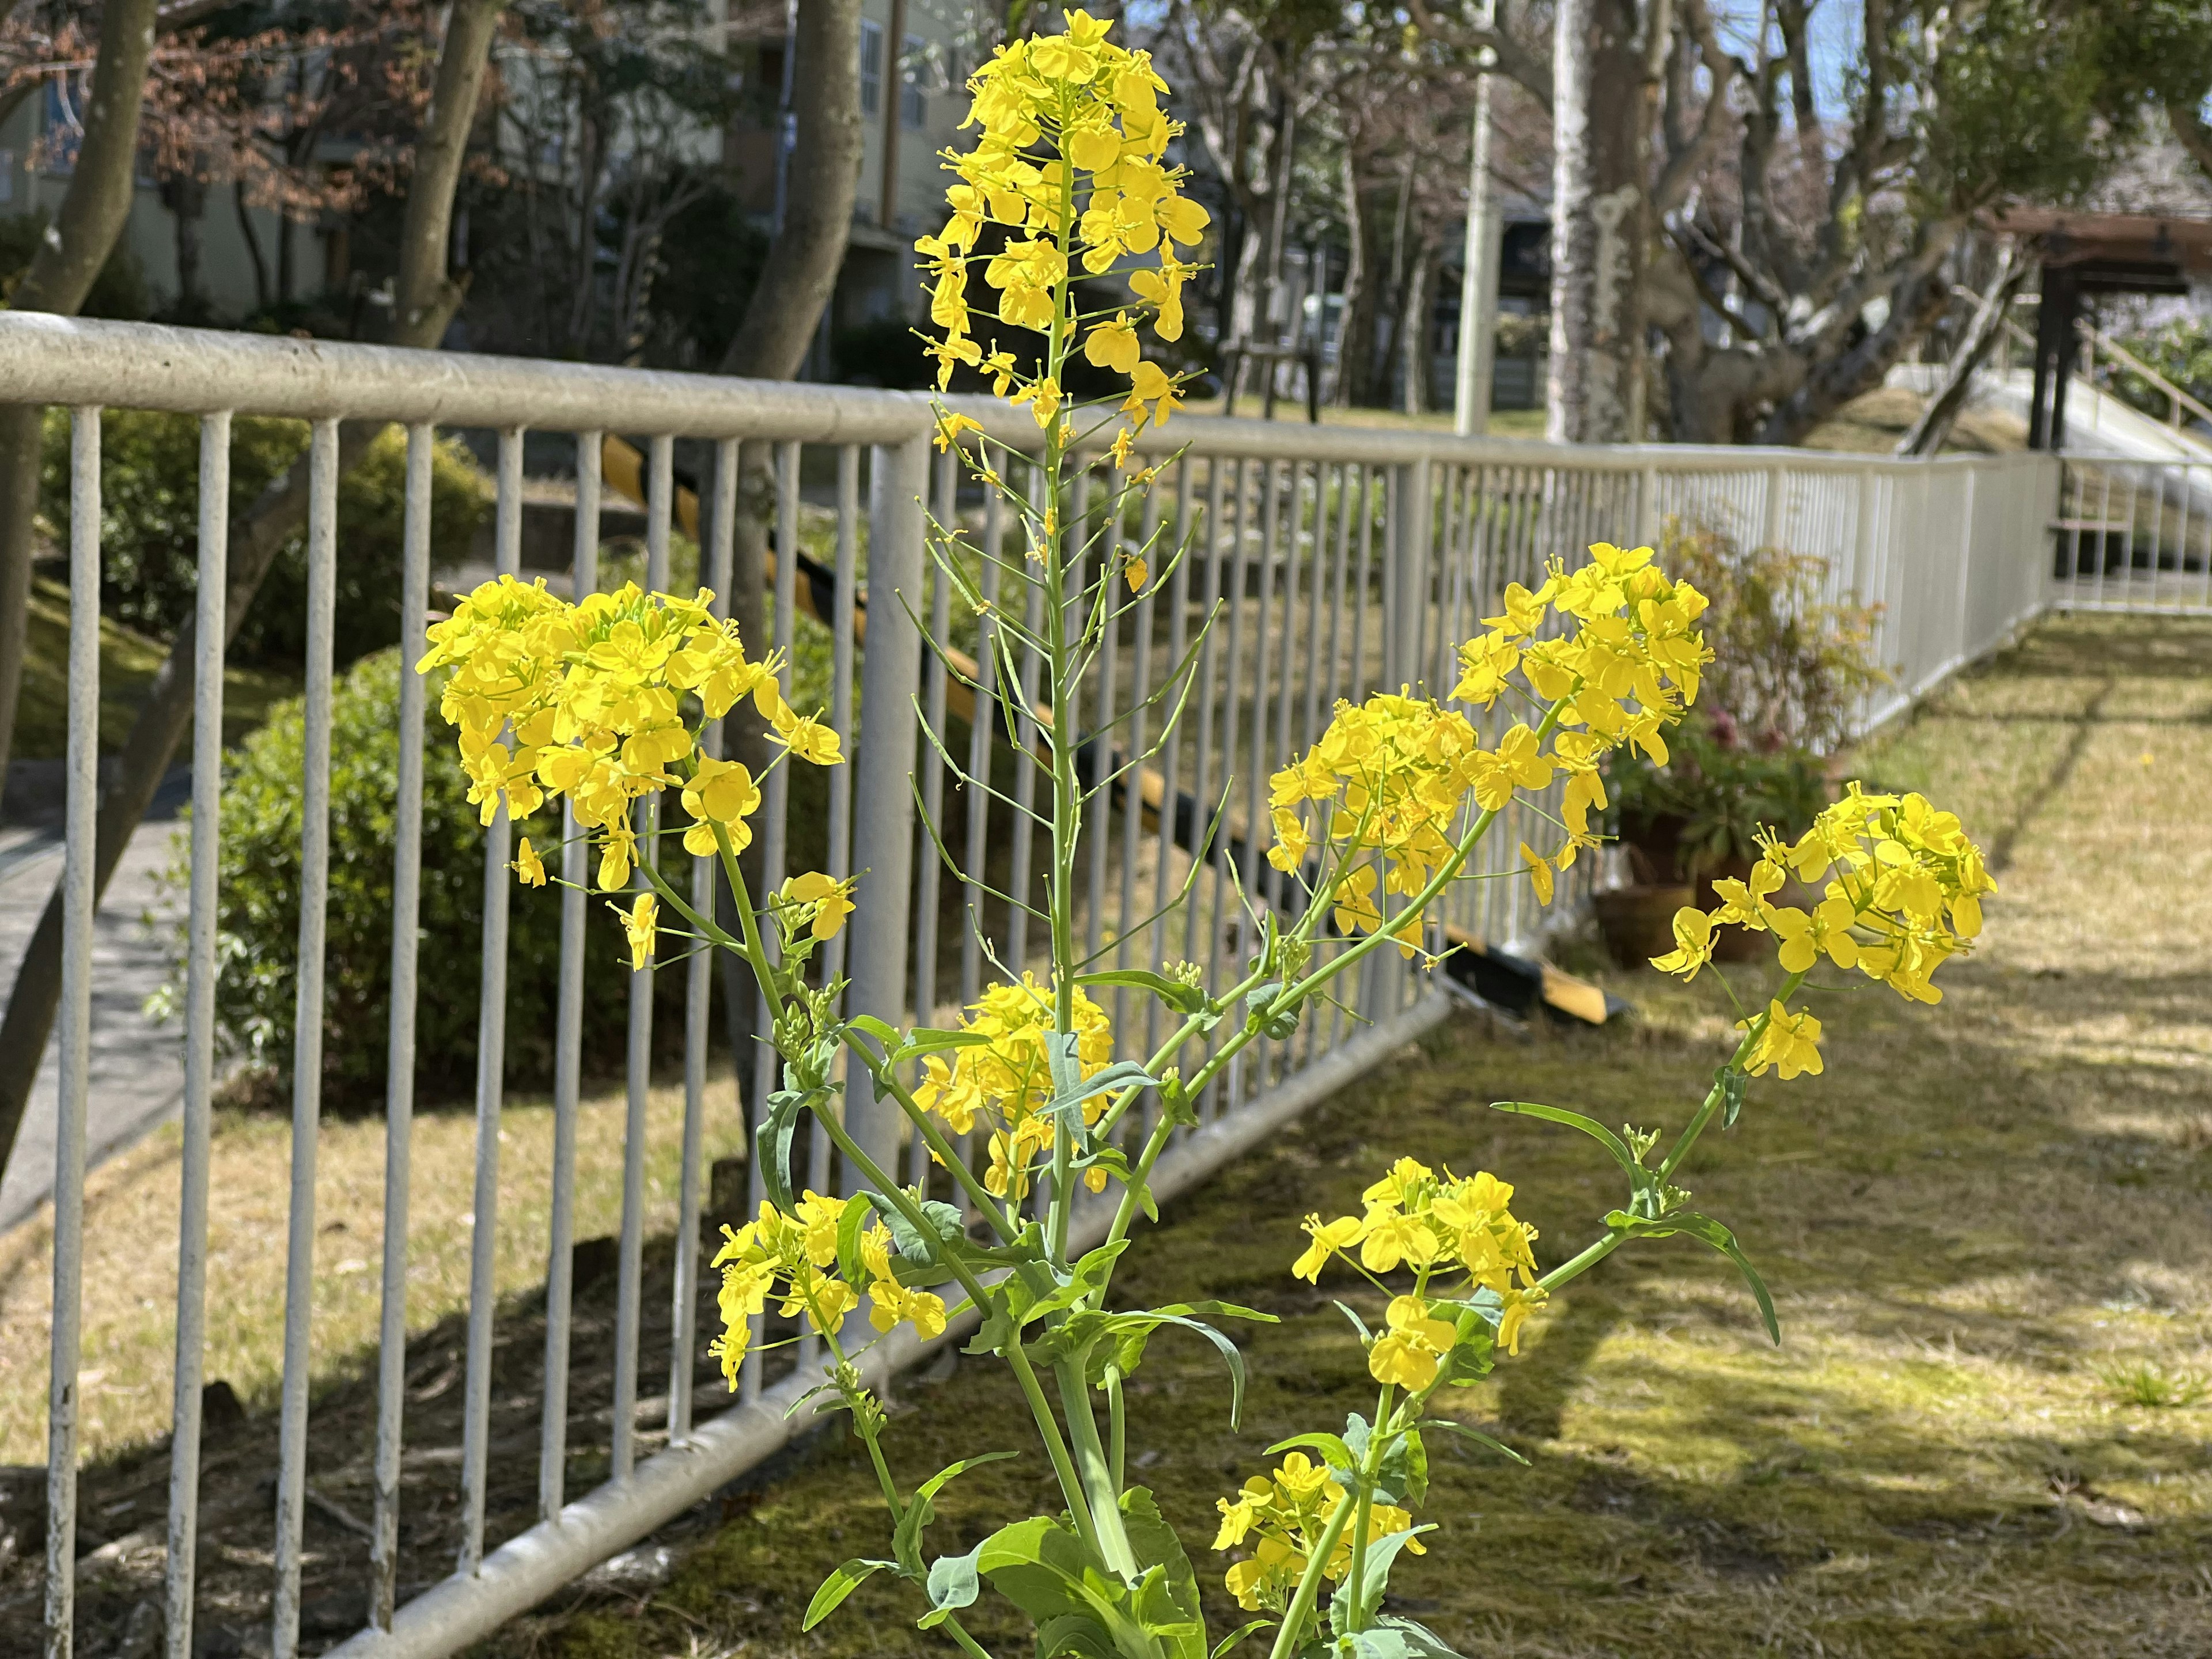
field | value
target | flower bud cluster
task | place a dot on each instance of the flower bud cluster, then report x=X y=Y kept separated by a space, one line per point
x=1445 y=1228
x=1282 y=1518
x=1902 y=894
x=1070 y=161
x=1006 y=1083
x=1612 y=647
x=792 y=1259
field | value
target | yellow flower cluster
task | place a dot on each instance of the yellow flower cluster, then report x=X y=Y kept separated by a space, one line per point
x=1391 y=775
x=587 y=700
x=1006 y=1083
x=1441 y=1226
x=791 y=1258
x=1283 y=1518
x=1903 y=894
x=1070 y=162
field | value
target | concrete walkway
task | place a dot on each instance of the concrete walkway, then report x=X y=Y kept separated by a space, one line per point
x=138 y=1067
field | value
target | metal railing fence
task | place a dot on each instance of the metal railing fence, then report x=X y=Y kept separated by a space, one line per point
x=1334 y=561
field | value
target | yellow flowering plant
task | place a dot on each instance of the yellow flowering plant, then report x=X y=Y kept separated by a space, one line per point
x=608 y=704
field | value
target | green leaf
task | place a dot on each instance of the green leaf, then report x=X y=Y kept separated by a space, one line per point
x=848 y=1577
x=1475 y=1435
x=1358 y=1323
x=1046 y=1570
x=906 y=1540
x=1273 y=1022
x=1612 y=1143
x=1347 y=1614
x=785 y=1107
x=1332 y=1450
x=953 y=1584
x=1403 y=1477
x=856 y=1216
x=1167 y=1600
x=1704 y=1227
x=928 y=1040
x=1236 y=1637
x=1183 y=998
x=886 y=1033
x=1731 y=1083
x=947 y=1228
x=1121 y=1074
x=1393 y=1637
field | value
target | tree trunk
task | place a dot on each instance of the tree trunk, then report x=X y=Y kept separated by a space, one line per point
x=427 y=297
x=252 y=241
x=1928 y=433
x=62 y=272
x=1599 y=208
x=1355 y=334
x=1418 y=361
x=801 y=273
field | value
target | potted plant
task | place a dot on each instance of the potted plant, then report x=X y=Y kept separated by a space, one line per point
x=1789 y=669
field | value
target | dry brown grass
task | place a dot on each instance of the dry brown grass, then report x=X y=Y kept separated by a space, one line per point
x=130 y=1250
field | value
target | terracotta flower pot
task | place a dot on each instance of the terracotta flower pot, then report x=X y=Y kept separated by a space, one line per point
x=1637 y=922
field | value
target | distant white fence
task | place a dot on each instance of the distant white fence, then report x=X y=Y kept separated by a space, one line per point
x=1339 y=560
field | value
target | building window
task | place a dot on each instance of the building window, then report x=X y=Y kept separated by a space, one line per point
x=913 y=108
x=872 y=66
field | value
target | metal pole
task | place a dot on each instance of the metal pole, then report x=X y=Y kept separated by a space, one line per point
x=75 y=1036
x=208 y=640
x=882 y=816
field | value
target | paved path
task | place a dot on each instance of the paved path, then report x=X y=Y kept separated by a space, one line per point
x=138 y=1067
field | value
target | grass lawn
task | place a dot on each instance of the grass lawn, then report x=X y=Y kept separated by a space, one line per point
x=1984 y=1434
x=127 y=663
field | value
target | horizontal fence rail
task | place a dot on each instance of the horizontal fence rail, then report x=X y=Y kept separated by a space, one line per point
x=1298 y=566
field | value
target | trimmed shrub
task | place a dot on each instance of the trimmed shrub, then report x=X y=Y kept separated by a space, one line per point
x=258 y=912
x=150 y=526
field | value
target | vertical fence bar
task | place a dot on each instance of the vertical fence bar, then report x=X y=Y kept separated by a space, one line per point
x=308 y=1041
x=928 y=868
x=843 y=624
x=1025 y=734
x=399 y=1053
x=207 y=639
x=720 y=557
x=988 y=654
x=883 y=827
x=491 y=1079
x=1171 y=754
x=568 y=1047
x=776 y=841
x=79 y=878
x=660 y=500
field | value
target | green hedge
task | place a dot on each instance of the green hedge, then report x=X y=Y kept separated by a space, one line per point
x=150 y=526
x=258 y=912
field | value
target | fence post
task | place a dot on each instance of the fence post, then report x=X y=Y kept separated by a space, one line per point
x=1770 y=532
x=882 y=798
x=1647 y=508
x=1405 y=574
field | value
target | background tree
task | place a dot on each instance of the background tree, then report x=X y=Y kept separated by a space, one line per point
x=426 y=295
x=68 y=261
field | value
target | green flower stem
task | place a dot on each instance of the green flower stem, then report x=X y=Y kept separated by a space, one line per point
x=1446 y=872
x=1579 y=1265
x=898 y=1198
x=1117 y=1436
x=869 y=1427
x=756 y=948
x=1096 y=1469
x=1308 y=1594
x=1365 y=1497
x=1071 y=1483
x=1713 y=1096
x=978 y=1194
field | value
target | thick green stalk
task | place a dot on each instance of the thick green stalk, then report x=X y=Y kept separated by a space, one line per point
x=1063 y=1465
x=1365 y=1498
x=1096 y=1470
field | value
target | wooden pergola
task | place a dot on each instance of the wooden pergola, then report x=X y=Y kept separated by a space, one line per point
x=2084 y=254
